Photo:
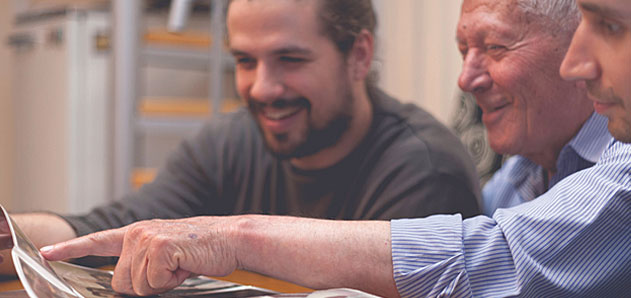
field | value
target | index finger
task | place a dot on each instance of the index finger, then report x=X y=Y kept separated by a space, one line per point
x=105 y=243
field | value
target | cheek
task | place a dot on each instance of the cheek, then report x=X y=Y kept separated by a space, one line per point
x=509 y=76
x=307 y=85
x=622 y=79
x=527 y=72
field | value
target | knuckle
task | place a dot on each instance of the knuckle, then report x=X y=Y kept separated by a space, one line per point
x=97 y=237
x=134 y=231
x=157 y=283
x=122 y=287
x=145 y=237
x=144 y=291
x=160 y=241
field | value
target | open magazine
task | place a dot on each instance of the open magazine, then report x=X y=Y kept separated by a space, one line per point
x=43 y=278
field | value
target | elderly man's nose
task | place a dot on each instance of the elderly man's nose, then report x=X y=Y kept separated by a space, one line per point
x=474 y=77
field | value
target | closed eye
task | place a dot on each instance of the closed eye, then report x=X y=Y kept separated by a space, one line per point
x=291 y=59
x=495 y=47
x=245 y=62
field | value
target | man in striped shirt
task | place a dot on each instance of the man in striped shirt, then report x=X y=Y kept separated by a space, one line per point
x=512 y=51
x=573 y=241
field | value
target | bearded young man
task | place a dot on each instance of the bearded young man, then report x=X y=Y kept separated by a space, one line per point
x=317 y=139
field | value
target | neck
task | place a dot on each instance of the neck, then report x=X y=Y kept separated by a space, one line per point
x=548 y=158
x=350 y=139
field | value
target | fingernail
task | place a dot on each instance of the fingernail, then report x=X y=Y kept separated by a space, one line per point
x=46 y=248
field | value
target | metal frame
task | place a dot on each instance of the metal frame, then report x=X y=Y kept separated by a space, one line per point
x=127 y=50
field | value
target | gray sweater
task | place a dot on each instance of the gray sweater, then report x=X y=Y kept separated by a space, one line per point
x=408 y=165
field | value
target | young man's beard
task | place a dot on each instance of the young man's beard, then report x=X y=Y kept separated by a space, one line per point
x=313 y=140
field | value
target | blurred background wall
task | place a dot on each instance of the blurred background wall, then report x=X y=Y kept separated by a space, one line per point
x=419 y=59
x=6 y=119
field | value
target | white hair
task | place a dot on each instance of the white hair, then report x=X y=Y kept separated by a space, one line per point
x=563 y=14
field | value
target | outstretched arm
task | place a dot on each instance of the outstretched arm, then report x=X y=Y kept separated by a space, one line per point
x=158 y=255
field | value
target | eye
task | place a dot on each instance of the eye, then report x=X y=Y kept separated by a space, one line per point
x=609 y=27
x=495 y=47
x=292 y=59
x=245 y=62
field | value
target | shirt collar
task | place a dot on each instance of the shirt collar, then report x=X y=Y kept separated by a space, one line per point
x=593 y=138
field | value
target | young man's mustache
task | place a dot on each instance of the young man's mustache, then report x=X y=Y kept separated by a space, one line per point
x=279 y=103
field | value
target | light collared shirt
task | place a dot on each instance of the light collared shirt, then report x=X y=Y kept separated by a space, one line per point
x=521 y=180
x=573 y=241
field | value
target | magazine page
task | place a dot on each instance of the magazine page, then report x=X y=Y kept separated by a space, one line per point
x=35 y=273
x=97 y=283
x=42 y=278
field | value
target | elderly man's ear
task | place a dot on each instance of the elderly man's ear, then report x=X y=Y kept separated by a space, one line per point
x=360 y=56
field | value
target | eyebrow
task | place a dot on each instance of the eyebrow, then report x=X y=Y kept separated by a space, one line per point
x=601 y=10
x=279 y=51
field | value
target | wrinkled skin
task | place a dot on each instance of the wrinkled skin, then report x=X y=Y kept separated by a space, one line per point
x=156 y=255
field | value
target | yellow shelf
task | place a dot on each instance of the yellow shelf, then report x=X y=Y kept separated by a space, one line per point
x=190 y=39
x=178 y=107
x=142 y=176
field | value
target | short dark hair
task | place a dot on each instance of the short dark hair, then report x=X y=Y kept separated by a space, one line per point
x=343 y=20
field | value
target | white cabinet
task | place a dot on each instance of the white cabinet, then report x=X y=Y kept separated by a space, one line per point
x=61 y=97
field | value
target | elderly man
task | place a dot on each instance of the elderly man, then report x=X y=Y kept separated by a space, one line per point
x=318 y=139
x=573 y=241
x=512 y=52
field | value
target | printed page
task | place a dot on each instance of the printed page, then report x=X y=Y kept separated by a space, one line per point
x=35 y=273
x=42 y=278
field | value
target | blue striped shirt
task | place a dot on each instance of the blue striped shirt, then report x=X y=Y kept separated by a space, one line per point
x=573 y=241
x=521 y=180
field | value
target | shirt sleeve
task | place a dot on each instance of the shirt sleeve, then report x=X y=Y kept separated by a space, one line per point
x=573 y=241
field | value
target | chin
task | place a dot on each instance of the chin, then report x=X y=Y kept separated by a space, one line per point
x=621 y=133
x=282 y=151
x=282 y=147
x=502 y=147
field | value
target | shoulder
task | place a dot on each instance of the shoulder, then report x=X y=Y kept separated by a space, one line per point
x=610 y=177
x=411 y=129
x=229 y=127
x=617 y=153
x=226 y=135
x=239 y=120
x=409 y=141
x=614 y=165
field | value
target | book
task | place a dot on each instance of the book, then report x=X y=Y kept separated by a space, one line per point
x=43 y=278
